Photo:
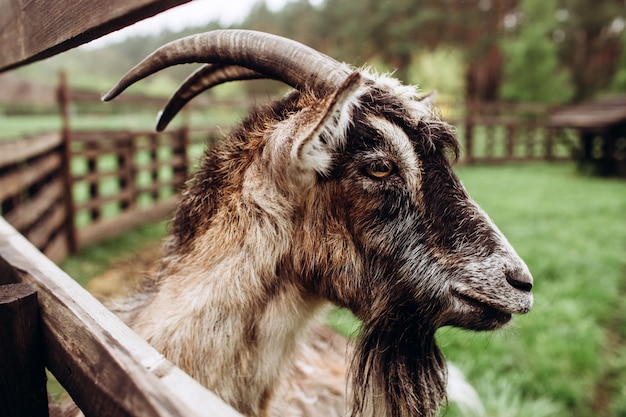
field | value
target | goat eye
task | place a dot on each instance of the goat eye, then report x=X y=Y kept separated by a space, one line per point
x=380 y=169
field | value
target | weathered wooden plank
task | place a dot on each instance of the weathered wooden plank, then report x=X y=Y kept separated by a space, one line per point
x=104 y=229
x=58 y=248
x=30 y=211
x=16 y=91
x=40 y=234
x=93 y=177
x=107 y=369
x=97 y=202
x=175 y=161
x=104 y=137
x=20 y=150
x=174 y=182
x=16 y=181
x=33 y=30
x=90 y=96
x=22 y=374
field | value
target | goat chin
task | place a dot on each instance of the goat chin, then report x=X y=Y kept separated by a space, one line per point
x=315 y=385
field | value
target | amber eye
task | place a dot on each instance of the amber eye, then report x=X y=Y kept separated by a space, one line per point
x=380 y=169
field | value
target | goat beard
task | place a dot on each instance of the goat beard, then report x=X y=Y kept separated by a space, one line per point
x=397 y=368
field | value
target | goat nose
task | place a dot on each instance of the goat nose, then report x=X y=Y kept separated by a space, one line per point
x=519 y=279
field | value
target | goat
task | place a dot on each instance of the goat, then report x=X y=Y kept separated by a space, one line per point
x=340 y=192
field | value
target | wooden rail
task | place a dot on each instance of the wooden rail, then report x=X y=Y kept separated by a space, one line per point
x=69 y=189
x=106 y=368
x=33 y=30
x=21 y=358
x=497 y=133
x=33 y=192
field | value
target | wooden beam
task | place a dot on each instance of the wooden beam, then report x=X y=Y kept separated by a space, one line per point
x=29 y=147
x=22 y=374
x=34 y=30
x=106 y=368
x=108 y=228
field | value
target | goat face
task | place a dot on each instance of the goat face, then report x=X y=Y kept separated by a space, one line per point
x=386 y=229
x=389 y=226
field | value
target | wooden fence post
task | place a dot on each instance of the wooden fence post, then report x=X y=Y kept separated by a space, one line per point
x=549 y=144
x=22 y=372
x=63 y=97
x=154 y=163
x=510 y=140
x=469 y=136
x=127 y=172
x=180 y=152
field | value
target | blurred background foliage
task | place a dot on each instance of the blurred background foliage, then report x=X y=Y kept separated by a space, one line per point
x=545 y=51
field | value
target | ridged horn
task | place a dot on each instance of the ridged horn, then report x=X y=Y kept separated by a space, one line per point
x=273 y=56
x=204 y=78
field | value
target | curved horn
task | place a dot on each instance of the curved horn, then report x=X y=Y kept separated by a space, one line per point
x=204 y=78
x=276 y=57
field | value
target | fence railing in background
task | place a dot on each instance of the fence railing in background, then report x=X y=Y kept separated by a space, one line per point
x=506 y=132
x=34 y=191
x=72 y=188
x=121 y=179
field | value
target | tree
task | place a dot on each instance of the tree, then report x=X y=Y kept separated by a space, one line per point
x=532 y=72
x=619 y=80
x=590 y=44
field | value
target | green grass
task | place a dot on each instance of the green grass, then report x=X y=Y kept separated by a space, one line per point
x=93 y=260
x=567 y=357
x=571 y=230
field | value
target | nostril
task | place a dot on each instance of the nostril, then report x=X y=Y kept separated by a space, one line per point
x=520 y=280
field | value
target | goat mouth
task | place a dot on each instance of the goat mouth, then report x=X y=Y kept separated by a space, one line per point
x=478 y=315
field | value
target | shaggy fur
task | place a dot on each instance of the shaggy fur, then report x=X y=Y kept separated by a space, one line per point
x=347 y=198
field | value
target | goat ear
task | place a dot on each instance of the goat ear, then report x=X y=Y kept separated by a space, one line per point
x=429 y=99
x=324 y=132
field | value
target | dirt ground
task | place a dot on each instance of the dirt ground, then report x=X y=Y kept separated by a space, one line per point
x=124 y=274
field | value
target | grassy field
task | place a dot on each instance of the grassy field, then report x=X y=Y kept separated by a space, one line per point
x=568 y=356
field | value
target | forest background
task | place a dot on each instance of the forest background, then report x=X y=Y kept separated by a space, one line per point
x=547 y=51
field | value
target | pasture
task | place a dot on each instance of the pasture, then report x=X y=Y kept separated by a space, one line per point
x=568 y=355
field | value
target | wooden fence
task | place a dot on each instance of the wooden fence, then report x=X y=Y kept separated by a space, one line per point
x=507 y=133
x=106 y=368
x=65 y=191
x=34 y=190
x=68 y=189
